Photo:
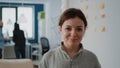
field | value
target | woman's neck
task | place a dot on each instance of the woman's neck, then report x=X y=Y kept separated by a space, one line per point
x=72 y=50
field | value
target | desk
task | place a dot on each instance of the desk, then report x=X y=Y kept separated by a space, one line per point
x=8 y=51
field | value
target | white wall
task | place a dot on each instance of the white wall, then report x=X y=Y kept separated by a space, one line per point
x=105 y=45
x=53 y=11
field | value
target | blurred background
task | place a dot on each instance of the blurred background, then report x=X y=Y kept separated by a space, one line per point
x=39 y=18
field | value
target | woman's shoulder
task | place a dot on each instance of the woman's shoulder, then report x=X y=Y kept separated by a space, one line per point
x=89 y=53
x=51 y=53
x=90 y=56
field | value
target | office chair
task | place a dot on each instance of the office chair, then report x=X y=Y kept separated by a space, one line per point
x=44 y=44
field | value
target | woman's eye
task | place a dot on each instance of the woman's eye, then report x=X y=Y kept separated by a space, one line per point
x=68 y=29
x=79 y=29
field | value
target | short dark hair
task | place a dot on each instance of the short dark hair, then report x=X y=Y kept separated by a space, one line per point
x=72 y=13
x=16 y=26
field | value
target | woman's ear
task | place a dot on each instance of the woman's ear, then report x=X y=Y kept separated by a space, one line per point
x=60 y=29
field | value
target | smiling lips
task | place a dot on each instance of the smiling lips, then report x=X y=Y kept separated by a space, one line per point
x=73 y=40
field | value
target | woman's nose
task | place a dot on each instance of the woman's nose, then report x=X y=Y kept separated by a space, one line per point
x=73 y=33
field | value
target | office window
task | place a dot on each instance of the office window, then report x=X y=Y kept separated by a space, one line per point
x=8 y=18
x=23 y=15
x=25 y=20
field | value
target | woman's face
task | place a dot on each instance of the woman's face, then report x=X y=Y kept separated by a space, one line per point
x=72 y=31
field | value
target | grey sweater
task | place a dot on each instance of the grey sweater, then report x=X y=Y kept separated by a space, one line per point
x=58 y=58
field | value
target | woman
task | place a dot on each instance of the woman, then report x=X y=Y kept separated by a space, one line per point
x=71 y=54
